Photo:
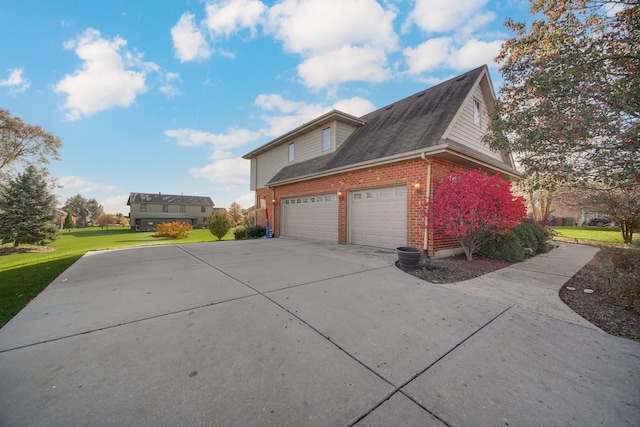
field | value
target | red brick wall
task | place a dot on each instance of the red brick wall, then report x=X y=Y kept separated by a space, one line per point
x=406 y=173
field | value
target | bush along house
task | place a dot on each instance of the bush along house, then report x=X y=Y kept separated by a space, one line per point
x=148 y=210
x=366 y=180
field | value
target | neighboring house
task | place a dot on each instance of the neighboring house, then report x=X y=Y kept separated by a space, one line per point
x=365 y=180
x=149 y=210
x=62 y=217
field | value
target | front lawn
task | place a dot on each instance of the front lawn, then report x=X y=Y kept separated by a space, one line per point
x=593 y=235
x=25 y=274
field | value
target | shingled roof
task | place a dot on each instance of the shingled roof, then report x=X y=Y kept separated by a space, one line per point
x=411 y=124
x=169 y=199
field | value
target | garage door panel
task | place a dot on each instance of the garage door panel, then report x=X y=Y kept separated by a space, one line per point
x=378 y=217
x=312 y=217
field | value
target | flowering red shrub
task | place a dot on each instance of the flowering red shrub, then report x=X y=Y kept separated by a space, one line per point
x=473 y=207
x=174 y=230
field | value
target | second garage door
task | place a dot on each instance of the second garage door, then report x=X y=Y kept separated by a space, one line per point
x=378 y=217
x=311 y=217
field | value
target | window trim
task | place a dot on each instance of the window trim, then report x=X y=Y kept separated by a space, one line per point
x=326 y=132
x=292 y=152
x=477 y=112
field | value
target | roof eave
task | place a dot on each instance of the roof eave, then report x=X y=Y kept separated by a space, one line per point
x=445 y=151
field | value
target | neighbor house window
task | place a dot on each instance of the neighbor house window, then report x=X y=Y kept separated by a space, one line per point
x=291 y=152
x=326 y=139
x=183 y=208
x=476 y=112
x=143 y=207
x=203 y=208
x=165 y=208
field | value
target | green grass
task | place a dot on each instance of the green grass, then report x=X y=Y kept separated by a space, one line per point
x=594 y=235
x=24 y=275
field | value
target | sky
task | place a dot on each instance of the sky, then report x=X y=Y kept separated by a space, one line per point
x=166 y=96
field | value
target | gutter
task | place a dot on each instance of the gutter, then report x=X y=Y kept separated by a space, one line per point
x=427 y=197
x=417 y=154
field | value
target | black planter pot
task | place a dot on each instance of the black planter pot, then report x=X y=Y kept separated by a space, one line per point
x=409 y=257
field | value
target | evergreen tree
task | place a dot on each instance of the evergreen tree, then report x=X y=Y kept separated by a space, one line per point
x=68 y=221
x=27 y=210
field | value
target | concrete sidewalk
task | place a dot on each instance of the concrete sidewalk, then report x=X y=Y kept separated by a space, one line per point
x=286 y=332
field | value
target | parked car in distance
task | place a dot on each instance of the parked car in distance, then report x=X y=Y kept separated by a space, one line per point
x=600 y=222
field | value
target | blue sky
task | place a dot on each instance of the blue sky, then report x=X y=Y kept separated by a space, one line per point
x=166 y=96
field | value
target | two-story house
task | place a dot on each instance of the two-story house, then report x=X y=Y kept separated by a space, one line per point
x=148 y=210
x=366 y=180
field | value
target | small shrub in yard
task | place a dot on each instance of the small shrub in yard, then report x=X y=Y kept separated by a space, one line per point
x=621 y=270
x=256 y=232
x=239 y=233
x=533 y=236
x=174 y=230
x=522 y=241
x=507 y=247
x=219 y=224
x=249 y=232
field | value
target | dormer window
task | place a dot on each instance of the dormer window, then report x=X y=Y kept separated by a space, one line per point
x=291 y=152
x=326 y=139
x=476 y=112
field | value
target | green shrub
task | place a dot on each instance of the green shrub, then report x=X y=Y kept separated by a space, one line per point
x=173 y=230
x=240 y=233
x=219 y=224
x=534 y=235
x=507 y=247
x=249 y=232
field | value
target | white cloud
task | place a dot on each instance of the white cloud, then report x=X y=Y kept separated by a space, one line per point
x=103 y=82
x=16 y=82
x=246 y=200
x=355 y=106
x=188 y=41
x=81 y=185
x=442 y=52
x=307 y=26
x=339 y=40
x=474 y=53
x=447 y=15
x=116 y=204
x=231 y=16
x=349 y=63
x=234 y=138
x=429 y=55
x=227 y=173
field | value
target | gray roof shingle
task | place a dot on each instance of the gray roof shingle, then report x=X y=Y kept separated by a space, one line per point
x=169 y=199
x=413 y=123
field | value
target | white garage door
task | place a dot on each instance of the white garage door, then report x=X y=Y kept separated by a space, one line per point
x=311 y=217
x=378 y=217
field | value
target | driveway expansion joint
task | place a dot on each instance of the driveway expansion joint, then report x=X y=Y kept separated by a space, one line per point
x=399 y=388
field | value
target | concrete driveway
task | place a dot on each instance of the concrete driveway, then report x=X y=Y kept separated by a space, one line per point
x=286 y=332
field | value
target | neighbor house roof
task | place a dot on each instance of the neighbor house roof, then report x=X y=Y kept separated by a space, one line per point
x=169 y=199
x=414 y=124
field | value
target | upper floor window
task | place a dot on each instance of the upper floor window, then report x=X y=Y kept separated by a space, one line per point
x=203 y=208
x=165 y=208
x=291 y=152
x=183 y=208
x=476 y=112
x=143 y=207
x=326 y=139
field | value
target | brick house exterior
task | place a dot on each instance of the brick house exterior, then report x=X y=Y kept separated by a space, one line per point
x=377 y=171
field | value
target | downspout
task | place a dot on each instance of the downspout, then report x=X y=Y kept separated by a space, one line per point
x=427 y=197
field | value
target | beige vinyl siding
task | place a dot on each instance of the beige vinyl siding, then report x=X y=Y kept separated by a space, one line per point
x=466 y=132
x=269 y=163
x=342 y=132
x=252 y=179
